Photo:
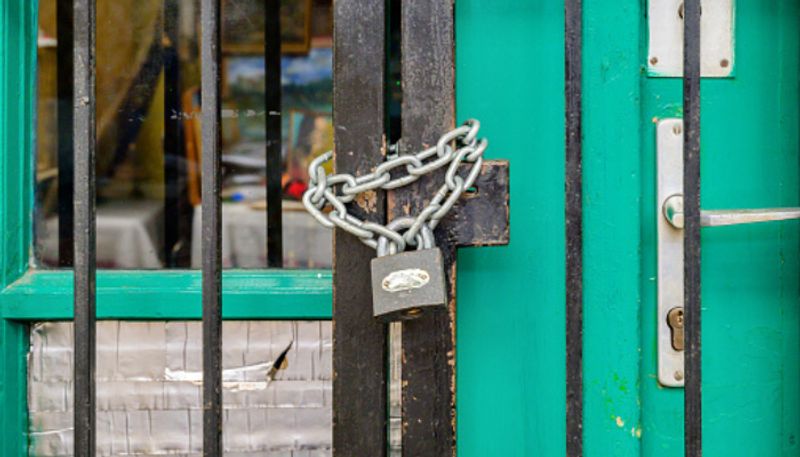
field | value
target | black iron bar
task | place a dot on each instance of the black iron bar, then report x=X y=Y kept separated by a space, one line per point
x=691 y=232
x=174 y=195
x=359 y=341
x=211 y=228
x=65 y=74
x=574 y=225
x=272 y=106
x=428 y=109
x=84 y=227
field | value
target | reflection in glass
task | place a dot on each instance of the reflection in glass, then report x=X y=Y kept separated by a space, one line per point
x=148 y=133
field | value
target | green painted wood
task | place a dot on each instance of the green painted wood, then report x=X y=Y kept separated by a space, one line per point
x=13 y=388
x=511 y=393
x=17 y=92
x=173 y=295
x=510 y=325
x=612 y=162
x=750 y=274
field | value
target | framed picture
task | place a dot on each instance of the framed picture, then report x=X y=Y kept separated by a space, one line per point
x=243 y=26
x=310 y=135
x=306 y=85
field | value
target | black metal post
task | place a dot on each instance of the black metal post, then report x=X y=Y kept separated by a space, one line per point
x=428 y=109
x=272 y=106
x=359 y=341
x=691 y=232
x=84 y=227
x=173 y=136
x=574 y=226
x=65 y=74
x=211 y=229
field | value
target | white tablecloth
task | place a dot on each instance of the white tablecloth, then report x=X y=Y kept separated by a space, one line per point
x=129 y=235
x=306 y=244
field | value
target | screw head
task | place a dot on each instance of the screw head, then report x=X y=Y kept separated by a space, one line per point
x=724 y=63
x=678 y=376
x=653 y=60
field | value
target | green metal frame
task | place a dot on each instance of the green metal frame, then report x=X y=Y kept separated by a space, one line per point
x=29 y=295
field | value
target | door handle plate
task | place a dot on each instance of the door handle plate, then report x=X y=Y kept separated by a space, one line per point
x=669 y=152
x=669 y=223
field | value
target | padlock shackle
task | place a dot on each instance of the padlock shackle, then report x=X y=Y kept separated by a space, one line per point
x=424 y=237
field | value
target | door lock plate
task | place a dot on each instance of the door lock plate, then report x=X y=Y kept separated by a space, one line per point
x=669 y=151
x=665 y=48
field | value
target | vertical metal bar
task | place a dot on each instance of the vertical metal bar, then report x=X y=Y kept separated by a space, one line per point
x=573 y=10
x=272 y=106
x=173 y=132
x=211 y=228
x=428 y=110
x=359 y=341
x=84 y=227
x=691 y=232
x=64 y=56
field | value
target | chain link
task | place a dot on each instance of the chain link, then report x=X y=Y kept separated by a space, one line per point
x=322 y=190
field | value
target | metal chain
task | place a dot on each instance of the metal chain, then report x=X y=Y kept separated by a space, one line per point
x=339 y=189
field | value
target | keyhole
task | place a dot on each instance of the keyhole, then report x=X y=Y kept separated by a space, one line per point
x=675 y=322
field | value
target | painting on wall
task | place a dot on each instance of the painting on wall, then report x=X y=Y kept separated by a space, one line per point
x=310 y=135
x=306 y=86
x=243 y=26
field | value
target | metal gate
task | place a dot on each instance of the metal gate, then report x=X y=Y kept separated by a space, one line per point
x=361 y=141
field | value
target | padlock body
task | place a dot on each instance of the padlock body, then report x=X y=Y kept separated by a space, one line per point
x=405 y=284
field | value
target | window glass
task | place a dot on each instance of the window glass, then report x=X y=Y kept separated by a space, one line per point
x=148 y=133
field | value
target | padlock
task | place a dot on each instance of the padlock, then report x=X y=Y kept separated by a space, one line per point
x=405 y=284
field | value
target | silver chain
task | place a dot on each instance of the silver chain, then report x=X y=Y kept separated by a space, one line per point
x=339 y=189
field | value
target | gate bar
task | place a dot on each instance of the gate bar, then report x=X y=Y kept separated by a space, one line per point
x=359 y=340
x=573 y=12
x=66 y=169
x=691 y=232
x=211 y=228
x=272 y=106
x=174 y=183
x=428 y=109
x=84 y=227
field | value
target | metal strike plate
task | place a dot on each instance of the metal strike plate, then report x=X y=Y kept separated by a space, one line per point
x=665 y=49
x=669 y=146
x=405 y=285
x=480 y=217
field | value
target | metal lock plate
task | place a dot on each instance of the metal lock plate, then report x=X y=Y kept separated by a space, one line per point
x=404 y=284
x=665 y=43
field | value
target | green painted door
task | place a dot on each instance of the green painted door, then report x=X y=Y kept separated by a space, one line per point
x=511 y=340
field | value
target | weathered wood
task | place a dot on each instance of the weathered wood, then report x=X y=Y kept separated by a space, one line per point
x=359 y=341
x=428 y=371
